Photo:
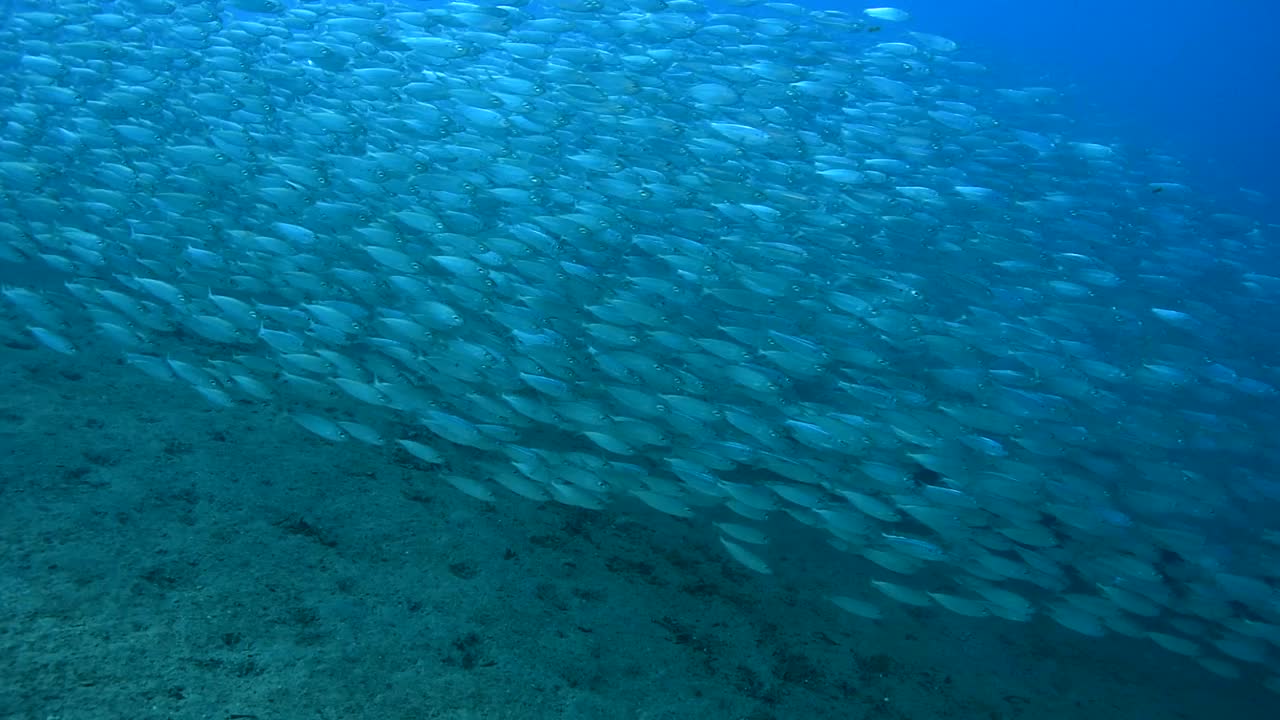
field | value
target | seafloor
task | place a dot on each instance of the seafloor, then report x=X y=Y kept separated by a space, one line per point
x=160 y=558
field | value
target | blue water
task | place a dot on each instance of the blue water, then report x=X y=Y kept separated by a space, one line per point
x=1194 y=79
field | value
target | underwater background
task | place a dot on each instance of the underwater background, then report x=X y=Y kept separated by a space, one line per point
x=1187 y=77
x=638 y=359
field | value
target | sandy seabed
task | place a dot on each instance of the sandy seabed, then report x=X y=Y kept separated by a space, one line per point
x=162 y=558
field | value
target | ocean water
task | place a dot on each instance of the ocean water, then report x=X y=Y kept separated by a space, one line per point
x=857 y=411
x=1176 y=75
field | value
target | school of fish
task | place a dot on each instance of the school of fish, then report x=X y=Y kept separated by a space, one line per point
x=731 y=262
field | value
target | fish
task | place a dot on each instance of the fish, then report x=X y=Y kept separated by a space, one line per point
x=750 y=269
